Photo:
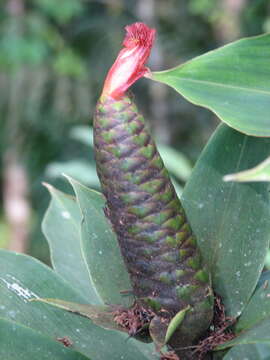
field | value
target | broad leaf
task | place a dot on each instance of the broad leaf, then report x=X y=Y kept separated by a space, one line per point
x=18 y=342
x=101 y=249
x=257 y=334
x=175 y=162
x=248 y=352
x=61 y=226
x=258 y=309
x=23 y=278
x=81 y=169
x=83 y=134
x=231 y=220
x=255 y=320
x=232 y=81
x=101 y=315
x=260 y=172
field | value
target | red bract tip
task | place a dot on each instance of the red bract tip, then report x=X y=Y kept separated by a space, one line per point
x=139 y=34
x=129 y=65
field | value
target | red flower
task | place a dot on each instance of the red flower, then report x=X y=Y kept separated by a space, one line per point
x=130 y=63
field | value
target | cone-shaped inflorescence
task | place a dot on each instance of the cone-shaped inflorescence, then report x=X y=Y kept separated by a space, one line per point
x=156 y=241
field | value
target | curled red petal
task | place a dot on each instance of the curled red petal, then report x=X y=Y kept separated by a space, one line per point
x=129 y=65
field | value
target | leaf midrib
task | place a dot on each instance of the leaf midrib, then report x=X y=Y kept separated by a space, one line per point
x=212 y=83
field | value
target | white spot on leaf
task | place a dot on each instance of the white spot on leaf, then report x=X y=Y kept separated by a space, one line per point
x=65 y=214
x=21 y=291
x=12 y=313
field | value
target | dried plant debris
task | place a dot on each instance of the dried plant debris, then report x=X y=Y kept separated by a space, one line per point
x=65 y=341
x=134 y=320
x=170 y=355
x=218 y=333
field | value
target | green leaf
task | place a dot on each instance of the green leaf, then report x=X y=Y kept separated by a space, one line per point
x=175 y=162
x=61 y=227
x=175 y=323
x=101 y=315
x=101 y=249
x=161 y=331
x=83 y=134
x=258 y=308
x=23 y=278
x=260 y=172
x=232 y=81
x=255 y=319
x=257 y=334
x=18 y=342
x=231 y=220
x=83 y=170
x=249 y=352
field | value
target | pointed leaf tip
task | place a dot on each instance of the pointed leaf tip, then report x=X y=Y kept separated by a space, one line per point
x=46 y=185
x=260 y=172
x=101 y=315
x=51 y=189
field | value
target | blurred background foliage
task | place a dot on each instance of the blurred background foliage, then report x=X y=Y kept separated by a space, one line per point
x=54 y=56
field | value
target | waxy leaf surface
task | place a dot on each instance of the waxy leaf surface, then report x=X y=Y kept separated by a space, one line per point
x=100 y=246
x=257 y=334
x=260 y=172
x=101 y=315
x=18 y=342
x=61 y=226
x=231 y=220
x=232 y=81
x=258 y=308
x=252 y=325
x=176 y=163
x=23 y=278
x=248 y=352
